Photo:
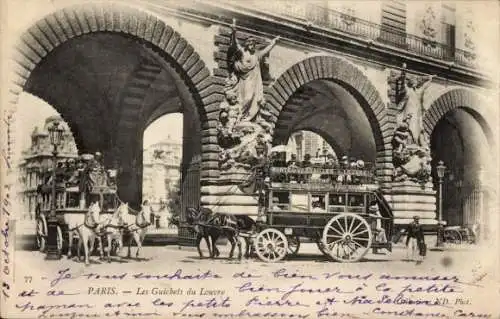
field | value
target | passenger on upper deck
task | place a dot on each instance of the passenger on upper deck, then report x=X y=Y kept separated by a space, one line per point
x=330 y=162
x=69 y=169
x=96 y=162
x=292 y=162
x=307 y=161
x=344 y=177
x=358 y=165
x=60 y=174
x=304 y=178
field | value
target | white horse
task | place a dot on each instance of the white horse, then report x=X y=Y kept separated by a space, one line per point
x=112 y=227
x=137 y=227
x=87 y=230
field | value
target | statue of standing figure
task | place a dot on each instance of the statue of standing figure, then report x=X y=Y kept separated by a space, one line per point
x=244 y=124
x=246 y=66
x=412 y=102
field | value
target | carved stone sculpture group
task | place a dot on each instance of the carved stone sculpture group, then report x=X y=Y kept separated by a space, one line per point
x=244 y=132
x=411 y=150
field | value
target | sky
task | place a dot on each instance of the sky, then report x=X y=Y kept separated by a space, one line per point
x=33 y=111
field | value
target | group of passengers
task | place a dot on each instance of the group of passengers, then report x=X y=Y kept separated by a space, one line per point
x=346 y=177
x=73 y=172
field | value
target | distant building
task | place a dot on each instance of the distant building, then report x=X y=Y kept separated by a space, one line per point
x=161 y=170
x=306 y=142
x=36 y=161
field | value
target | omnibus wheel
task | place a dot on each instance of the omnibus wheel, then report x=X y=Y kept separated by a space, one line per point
x=452 y=236
x=59 y=239
x=271 y=245
x=321 y=248
x=347 y=237
x=40 y=236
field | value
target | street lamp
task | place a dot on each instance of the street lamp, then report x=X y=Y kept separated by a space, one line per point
x=440 y=169
x=481 y=204
x=55 y=134
x=261 y=175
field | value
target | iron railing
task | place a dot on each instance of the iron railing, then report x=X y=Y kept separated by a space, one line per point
x=331 y=19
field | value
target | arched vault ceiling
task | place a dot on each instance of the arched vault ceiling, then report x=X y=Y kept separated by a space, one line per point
x=334 y=113
x=97 y=81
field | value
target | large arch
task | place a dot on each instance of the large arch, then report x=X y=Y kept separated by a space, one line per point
x=453 y=98
x=344 y=74
x=461 y=135
x=159 y=51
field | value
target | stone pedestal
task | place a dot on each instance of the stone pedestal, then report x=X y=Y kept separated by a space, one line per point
x=227 y=195
x=408 y=199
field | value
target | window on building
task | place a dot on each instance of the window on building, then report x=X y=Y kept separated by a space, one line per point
x=448 y=28
x=393 y=21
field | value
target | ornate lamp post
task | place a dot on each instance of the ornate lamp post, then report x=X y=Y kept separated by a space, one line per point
x=261 y=176
x=440 y=168
x=481 y=207
x=55 y=133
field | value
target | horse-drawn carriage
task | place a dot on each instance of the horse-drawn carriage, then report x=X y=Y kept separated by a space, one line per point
x=87 y=208
x=71 y=203
x=460 y=234
x=76 y=189
x=342 y=210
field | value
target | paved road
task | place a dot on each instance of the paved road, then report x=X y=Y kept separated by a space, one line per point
x=451 y=258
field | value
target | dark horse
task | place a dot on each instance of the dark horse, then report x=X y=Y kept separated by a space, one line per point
x=248 y=225
x=209 y=225
x=197 y=219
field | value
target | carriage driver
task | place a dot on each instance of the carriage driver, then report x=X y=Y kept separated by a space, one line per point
x=148 y=211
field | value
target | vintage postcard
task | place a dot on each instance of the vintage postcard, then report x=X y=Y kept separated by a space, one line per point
x=249 y=159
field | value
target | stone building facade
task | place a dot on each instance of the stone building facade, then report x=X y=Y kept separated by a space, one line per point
x=162 y=162
x=37 y=161
x=336 y=70
x=307 y=142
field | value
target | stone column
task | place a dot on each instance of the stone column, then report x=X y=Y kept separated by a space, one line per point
x=129 y=179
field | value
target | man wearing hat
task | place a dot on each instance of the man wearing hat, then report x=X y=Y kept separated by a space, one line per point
x=414 y=240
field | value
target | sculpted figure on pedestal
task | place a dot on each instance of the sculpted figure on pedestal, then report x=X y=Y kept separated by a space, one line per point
x=243 y=127
x=245 y=63
x=411 y=153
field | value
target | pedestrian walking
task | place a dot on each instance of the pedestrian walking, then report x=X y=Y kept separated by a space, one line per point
x=415 y=242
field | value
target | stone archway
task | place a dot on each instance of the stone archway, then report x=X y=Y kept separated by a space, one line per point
x=350 y=78
x=459 y=98
x=462 y=137
x=56 y=31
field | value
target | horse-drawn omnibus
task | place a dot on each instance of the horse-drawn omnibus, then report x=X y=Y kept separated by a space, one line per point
x=73 y=198
x=342 y=210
